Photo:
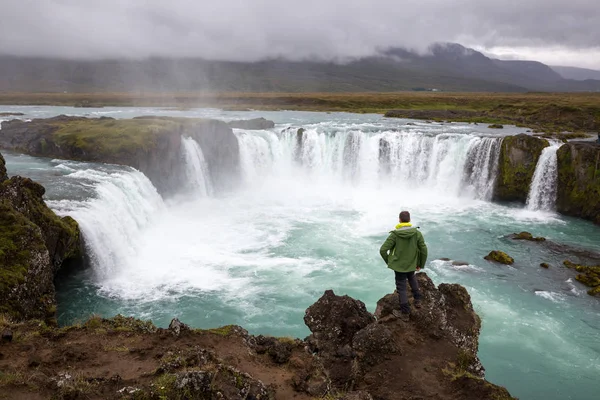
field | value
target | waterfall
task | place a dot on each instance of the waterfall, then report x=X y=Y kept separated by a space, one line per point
x=113 y=219
x=196 y=168
x=459 y=164
x=542 y=192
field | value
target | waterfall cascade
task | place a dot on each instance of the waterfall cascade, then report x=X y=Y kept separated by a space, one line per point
x=196 y=168
x=542 y=192
x=113 y=220
x=453 y=163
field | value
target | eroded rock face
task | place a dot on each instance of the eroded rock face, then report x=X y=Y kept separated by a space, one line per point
x=149 y=144
x=34 y=244
x=518 y=157
x=3 y=174
x=578 y=191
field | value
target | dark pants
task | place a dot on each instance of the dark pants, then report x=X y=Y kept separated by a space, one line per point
x=401 y=278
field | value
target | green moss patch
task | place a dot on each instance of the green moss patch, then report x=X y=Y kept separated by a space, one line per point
x=500 y=257
x=588 y=275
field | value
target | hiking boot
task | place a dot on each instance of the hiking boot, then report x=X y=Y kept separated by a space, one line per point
x=401 y=316
x=417 y=304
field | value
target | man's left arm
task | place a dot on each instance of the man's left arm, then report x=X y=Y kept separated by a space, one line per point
x=388 y=245
x=422 y=250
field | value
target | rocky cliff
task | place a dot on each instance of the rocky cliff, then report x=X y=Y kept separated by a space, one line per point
x=351 y=354
x=579 y=180
x=34 y=244
x=149 y=144
x=518 y=158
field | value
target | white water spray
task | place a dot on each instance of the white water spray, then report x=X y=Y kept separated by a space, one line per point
x=542 y=193
x=112 y=222
x=197 y=173
x=454 y=164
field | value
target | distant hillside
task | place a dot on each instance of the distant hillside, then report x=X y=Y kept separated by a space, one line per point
x=448 y=67
x=579 y=74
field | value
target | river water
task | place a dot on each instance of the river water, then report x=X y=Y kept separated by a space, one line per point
x=310 y=214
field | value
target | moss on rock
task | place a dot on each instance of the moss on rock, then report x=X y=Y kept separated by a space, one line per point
x=34 y=243
x=588 y=275
x=518 y=157
x=500 y=257
x=496 y=126
x=26 y=279
x=545 y=265
x=578 y=190
x=527 y=236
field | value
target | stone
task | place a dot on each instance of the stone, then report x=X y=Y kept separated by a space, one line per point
x=499 y=257
x=7 y=336
x=176 y=327
x=527 y=236
x=544 y=265
x=334 y=320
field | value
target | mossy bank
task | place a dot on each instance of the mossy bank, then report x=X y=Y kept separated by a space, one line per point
x=34 y=244
x=149 y=144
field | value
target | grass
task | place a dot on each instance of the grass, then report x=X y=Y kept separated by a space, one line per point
x=550 y=112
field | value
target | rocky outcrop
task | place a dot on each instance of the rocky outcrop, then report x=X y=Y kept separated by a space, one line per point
x=589 y=275
x=518 y=158
x=34 y=244
x=499 y=257
x=3 y=174
x=252 y=124
x=578 y=191
x=351 y=354
x=149 y=144
x=526 y=236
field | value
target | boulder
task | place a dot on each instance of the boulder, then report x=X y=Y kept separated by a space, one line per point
x=545 y=265
x=252 y=124
x=334 y=320
x=588 y=275
x=578 y=188
x=518 y=158
x=495 y=126
x=499 y=257
x=527 y=236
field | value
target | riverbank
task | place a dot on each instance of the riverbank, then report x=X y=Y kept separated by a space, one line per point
x=543 y=112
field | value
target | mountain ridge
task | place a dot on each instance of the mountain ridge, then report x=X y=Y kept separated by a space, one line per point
x=446 y=67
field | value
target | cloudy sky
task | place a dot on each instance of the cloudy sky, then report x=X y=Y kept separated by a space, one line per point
x=559 y=32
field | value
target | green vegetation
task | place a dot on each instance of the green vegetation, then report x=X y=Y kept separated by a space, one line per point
x=108 y=139
x=500 y=257
x=518 y=157
x=588 y=275
x=528 y=236
x=544 y=112
x=579 y=181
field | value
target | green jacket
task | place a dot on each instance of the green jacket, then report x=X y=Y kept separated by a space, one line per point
x=404 y=250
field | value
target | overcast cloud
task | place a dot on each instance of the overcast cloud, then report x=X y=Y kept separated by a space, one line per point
x=565 y=32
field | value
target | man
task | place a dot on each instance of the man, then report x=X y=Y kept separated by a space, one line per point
x=405 y=252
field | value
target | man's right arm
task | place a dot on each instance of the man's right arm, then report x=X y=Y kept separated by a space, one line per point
x=422 y=251
x=388 y=245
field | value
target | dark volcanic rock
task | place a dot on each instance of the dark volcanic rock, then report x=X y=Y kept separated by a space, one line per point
x=3 y=174
x=518 y=158
x=578 y=190
x=34 y=244
x=334 y=320
x=252 y=124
